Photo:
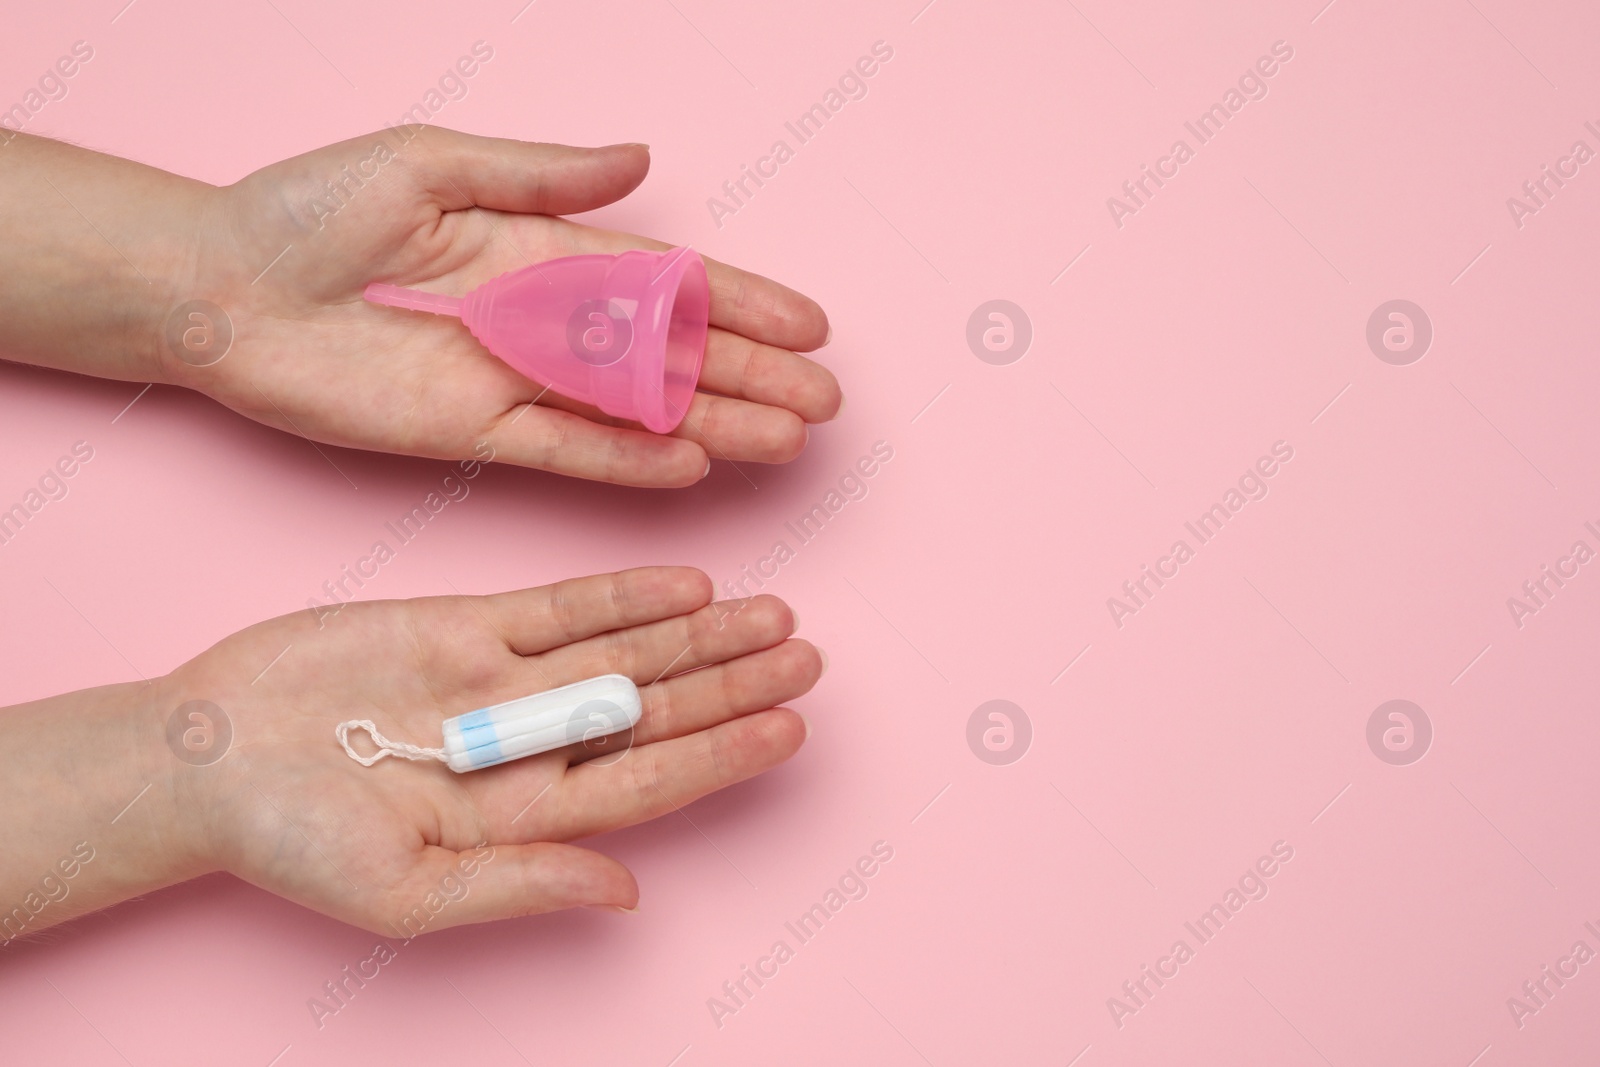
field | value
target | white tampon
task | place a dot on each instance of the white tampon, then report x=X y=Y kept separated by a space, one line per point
x=596 y=707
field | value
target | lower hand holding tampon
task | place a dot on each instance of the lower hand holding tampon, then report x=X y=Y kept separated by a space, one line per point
x=366 y=844
x=285 y=808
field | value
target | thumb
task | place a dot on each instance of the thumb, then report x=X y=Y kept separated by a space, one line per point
x=448 y=888
x=462 y=170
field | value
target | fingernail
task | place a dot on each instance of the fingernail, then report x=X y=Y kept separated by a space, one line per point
x=828 y=338
x=807 y=724
x=708 y=467
x=616 y=907
x=840 y=410
x=795 y=616
x=637 y=144
x=824 y=654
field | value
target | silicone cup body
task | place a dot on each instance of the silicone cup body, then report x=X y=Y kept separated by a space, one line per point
x=626 y=333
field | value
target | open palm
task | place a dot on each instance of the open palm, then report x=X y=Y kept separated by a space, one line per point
x=383 y=847
x=287 y=251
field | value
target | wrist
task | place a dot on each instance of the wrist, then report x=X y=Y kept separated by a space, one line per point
x=184 y=331
x=95 y=811
x=151 y=806
x=177 y=743
x=99 y=250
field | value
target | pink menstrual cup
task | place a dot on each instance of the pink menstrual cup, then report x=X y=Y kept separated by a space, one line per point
x=625 y=333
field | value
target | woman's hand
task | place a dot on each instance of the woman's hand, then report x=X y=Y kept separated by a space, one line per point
x=287 y=251
x=262 y=788
x=288 y=810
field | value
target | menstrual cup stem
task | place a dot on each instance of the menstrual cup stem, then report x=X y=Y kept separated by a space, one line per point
x=399 y=297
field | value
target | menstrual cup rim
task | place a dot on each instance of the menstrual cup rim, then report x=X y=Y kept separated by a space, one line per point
x=659 y=412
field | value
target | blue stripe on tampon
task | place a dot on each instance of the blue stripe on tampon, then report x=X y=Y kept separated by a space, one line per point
x=479 y=732
x=475 y=718
x=485 y=755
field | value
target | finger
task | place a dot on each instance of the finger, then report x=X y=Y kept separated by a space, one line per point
x=763 y=310
x=655 y=779
x=447 y=888
x=551 y=616
x=745 y=303
x=461 y=170
x=544 y=437
x=693 y=702
x=721 y=427
x=739 y=367
x=739 y=431
x=712 y=634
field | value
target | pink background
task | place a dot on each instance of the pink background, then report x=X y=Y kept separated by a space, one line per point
x=1228 y=314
